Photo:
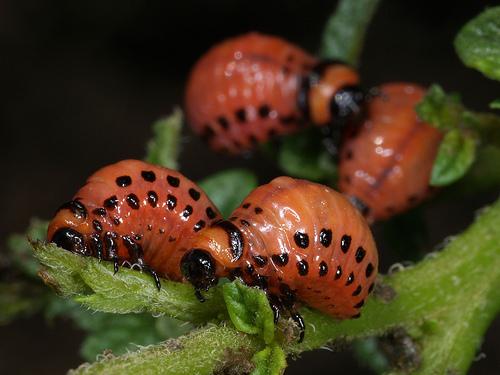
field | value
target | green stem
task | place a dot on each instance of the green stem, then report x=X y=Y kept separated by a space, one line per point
x=445 y=302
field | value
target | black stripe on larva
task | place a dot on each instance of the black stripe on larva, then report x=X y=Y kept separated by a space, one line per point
x=111 y=203
x=123 y=181
x=133 y=201
x=234 y=237
x=241 y=115
x=259 y=260
x=338 y=273
x=195 y=194
x=77 y=208
x=360 y=254
x=258 y=210
x=359 y=304
x=246 y=205
x=244 y=223
x=345 y=243
x=97 y=225
x=152 y=198
x=99 y=211
x=223 y=122
x=210 y=213
x=323 y=268
x=301 y=239
x=117 y=221
x=171 y=202
x=173 y=181
x=264 y=111
x=357 y=291
x=325 y=237
x=302 y=267
x=350 y=279
x=148 y=176
x=199 y=225
x=280 y=259
x=188 y=210
x=369 y=270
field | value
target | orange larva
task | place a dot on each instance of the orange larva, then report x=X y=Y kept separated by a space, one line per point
x=386 y=162
x=136 y=212
x=253 y=87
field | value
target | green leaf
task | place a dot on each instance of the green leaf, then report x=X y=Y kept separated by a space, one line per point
x=249 y=310
x=478 y=43
x=227 y=189
x=303 y=155
x=455 y=155
x=269 y=361
x=443 y=111
x=495 y=104
x=345 y=30
x=163 y=148
x=19 y=250
x=368 y=353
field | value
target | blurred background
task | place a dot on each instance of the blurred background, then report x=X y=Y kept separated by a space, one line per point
x=81 y=83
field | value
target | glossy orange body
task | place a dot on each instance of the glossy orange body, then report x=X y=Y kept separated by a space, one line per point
x=248 y=89
x=302 y=237
x=169 y=209
x=386 y=161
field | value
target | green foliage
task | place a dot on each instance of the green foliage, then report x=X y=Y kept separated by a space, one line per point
x=227 y=189
x=249 y=310
x=478 y=43
x=495 y=104
x=345 y=30
x=269 y=361
x=455 y=156
x=443 y=111
x=163 y=148
x=303 y=155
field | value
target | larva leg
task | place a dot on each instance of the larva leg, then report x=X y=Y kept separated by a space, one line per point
x=276 y=306
x=137 y=256
x=288 y=299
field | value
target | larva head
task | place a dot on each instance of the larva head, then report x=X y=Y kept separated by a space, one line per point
x=212 y=254
x=69 y=227
x=331 y=93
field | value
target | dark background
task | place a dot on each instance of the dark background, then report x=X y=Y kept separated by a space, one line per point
x=81 y=82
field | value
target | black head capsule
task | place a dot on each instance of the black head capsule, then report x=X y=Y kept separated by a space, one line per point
x=71 y=240
x=198 y=267
x=346 y=102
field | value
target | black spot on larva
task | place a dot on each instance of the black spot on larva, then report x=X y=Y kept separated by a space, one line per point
x=359 y=304
x=357 y=291
x=171 y=202
x=97 y=225
x=371 y=287
x=137 y=237
x=152 y=198
x=360 y=254
x=244 y=222
x=258 y=210
x=133 y=201
x=195 y=194
x=173 y=181
x=188 y=210
x=280 y=259
x=210 y=213
x=148 y=176
x=241 y=115
x=117 y=221
x=99 y=211
x=412 y=199
x=369 y=270
x=161 y=230
x=223 y=122
x=261 y=281
x=350 y=279
x=250 y=270
x=323 y=268
x=345 y=243
x=77 y=208
x=207 y=133
x=301 y=239
x=325 y=237
x=150 y=227
x=123 y=181
x=171 y=239
x=259 y=260
x=302 y=267
x=338 y=273
x=246 y=205
x=199 y=225
x=264 y=111
x=111 y=203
